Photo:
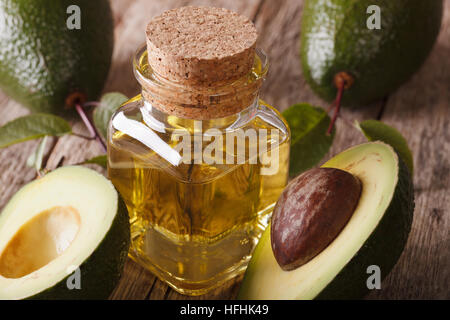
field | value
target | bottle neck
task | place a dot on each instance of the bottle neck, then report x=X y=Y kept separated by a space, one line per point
x=212 y=102
x=160 y=120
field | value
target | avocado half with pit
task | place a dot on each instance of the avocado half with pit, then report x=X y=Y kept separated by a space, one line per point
x=63 y=236
x=375 y=234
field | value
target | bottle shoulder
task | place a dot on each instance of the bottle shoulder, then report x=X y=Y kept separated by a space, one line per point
x=260 y=116
x=213 y=147
x=272 y=118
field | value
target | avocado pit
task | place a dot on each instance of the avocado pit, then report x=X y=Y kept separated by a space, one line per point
x=311 y=212
x=39 y=241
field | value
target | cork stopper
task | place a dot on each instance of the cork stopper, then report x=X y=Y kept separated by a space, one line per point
x=201 y=45
x=202 y=63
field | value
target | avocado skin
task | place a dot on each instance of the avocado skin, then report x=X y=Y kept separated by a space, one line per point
x=335 y=38
x=110 y=254
x=42 y=62
x=390 y=235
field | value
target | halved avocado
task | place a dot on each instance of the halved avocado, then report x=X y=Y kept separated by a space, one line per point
x=375 y=235
x=72 y=217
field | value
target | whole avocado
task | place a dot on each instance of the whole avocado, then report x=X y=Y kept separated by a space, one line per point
x=335 y=38
x=45 y=63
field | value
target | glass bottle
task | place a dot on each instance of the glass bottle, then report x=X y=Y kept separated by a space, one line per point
x=199 y=185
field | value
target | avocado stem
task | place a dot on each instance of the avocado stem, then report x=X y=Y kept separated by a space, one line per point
x=87 y=122
x=337 y=104
x=342 y=81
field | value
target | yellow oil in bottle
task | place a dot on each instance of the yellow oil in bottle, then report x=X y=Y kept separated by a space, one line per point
x=195 y=225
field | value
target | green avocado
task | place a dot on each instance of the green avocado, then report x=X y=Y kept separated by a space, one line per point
x=375 y=235
x=63 y=236
x=335 y=38
x=44 y=64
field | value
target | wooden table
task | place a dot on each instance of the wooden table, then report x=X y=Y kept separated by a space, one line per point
x=420 y=109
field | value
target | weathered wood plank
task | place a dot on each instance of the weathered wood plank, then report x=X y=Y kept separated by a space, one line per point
x=136 y=283
x=419 y=110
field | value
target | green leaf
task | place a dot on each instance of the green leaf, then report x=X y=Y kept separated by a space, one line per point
x=109 y=103
x=309 y=139
x=33 y=126
x=100 y=160
x=377 y=130
x=35 y=159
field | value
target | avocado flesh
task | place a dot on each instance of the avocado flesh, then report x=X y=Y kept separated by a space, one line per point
x=375 y=234
x=80 y=221
x=335 y=38
x=42 y=62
